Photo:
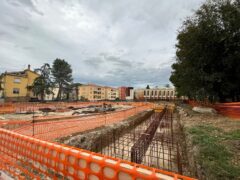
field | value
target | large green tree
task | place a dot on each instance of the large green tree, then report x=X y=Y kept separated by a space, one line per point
x=208 y=53
x=43 y=85
x=62 y=73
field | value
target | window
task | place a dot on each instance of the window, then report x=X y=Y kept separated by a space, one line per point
x=160 y=93
x=144 y=93
x=17 y=80
x=163 y=93
x=155 y=93
x=16 y=90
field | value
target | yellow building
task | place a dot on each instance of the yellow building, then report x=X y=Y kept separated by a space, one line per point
x=16 y=86
x=94 y=92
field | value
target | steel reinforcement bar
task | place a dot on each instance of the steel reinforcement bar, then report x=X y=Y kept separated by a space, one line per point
x=24 y=157
x=140 y=147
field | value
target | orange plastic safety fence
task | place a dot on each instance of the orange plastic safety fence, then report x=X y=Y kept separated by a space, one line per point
x=231 y=110
x=6 y=108
x=29 y=158
x=51 y=130
x=32 y=106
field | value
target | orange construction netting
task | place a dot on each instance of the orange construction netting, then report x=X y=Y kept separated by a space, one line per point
x=231 y=110
x=24 y=157
x=50 y=130
x=31 y=106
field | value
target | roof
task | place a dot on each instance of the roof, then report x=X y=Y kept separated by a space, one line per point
x=18 y=73
x=159 y=88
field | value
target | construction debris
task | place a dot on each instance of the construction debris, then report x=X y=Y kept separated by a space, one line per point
x=204 y=110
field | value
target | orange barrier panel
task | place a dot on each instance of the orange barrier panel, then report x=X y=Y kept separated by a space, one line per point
x=231 y=110
x=25 y=157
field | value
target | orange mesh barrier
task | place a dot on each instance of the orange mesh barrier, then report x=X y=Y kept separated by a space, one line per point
x=31 y=106
x=199 y=103
x=6 y=108
x=51 y=130
x=25 y=157
x=231 y=110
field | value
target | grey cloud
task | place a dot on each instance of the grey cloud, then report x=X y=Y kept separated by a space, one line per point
x=28 y=48
x=106 y=42
x=93 y=62
x=18 y=27
x=138 y=75
x=118 y=61
x=25 y=3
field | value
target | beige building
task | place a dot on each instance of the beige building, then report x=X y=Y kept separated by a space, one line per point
x=112 y=93
x=139 y=94
x=155 y=93
x=93 y=92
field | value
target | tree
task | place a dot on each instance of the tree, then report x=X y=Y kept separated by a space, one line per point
x=43 y=85
x=62 y=73
x=167 y=85
x=208 y=56
x=148 y=87
x=71 y=91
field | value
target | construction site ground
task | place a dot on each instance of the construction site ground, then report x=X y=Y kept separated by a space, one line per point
x=211 y=143
x=29 y=148
x=117 y=140
x=39 y=115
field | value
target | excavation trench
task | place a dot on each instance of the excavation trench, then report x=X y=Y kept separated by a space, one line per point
x=146 y=138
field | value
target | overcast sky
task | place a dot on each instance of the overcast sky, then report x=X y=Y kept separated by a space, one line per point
x=108 y=42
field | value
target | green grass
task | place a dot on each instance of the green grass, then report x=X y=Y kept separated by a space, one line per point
x=233 y=135
x=214 y=156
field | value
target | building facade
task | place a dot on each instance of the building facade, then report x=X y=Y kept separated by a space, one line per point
x=93 y=92
x=17 y=86
x=126 y=93
x=155 y=94
x=112 y=93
